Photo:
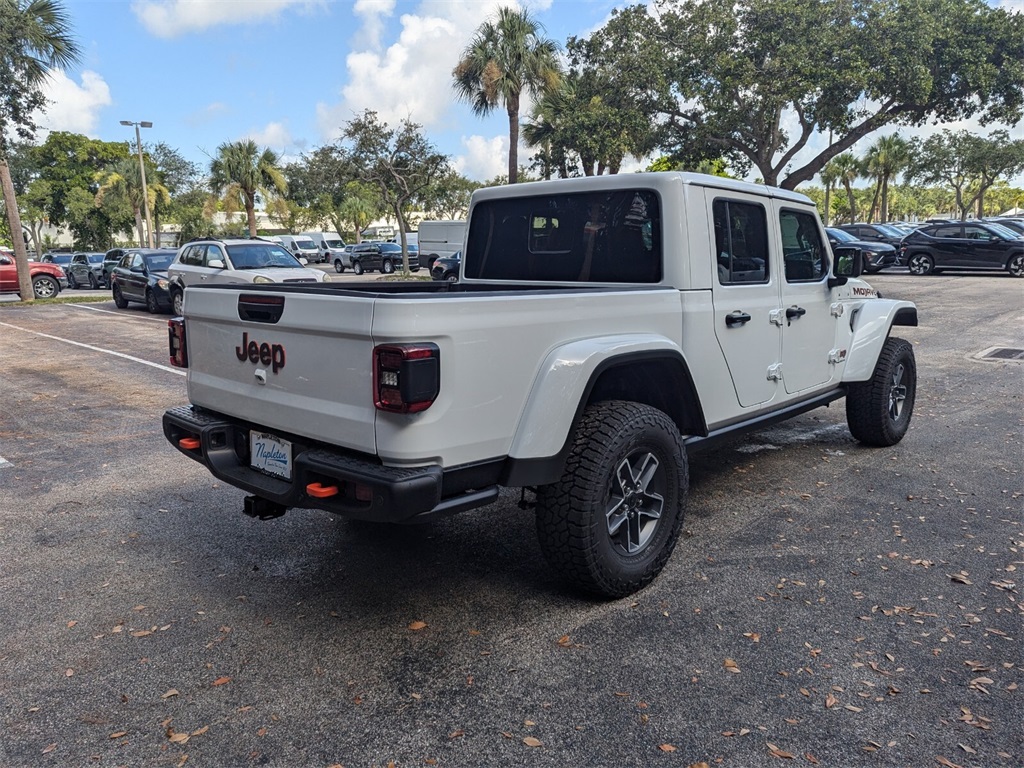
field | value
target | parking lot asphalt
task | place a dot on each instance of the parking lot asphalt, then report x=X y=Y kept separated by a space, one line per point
x=828 y=604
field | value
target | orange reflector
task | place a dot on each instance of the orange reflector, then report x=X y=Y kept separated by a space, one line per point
x=318 y=491
x=189 y=443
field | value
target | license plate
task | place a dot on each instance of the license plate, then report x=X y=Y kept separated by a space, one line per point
x=270 y=454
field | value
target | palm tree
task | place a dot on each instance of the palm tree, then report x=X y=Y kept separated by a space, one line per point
x=848 y=169
x=240 y=171
x=507 y=56
x=34 y=39
x=124 y=180
x=544 y=128
x=829 y=176
x=886 y=158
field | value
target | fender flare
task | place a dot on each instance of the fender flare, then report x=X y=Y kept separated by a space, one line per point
x=872 y=322
x=562 y=388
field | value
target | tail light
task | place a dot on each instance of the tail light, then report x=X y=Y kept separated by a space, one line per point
x=176 y=341
x=406 y=377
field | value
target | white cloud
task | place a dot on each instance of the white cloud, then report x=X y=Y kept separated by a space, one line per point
x=170 y=18
x=373 y=13
x=412 y=77
x=483 y=158
x=72 y=106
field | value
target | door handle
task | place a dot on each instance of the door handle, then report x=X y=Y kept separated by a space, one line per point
x=737 y=318
x=794 y=312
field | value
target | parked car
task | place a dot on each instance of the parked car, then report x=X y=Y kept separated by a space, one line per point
x=110 y=260
x=85 y=269
x=234 y=261
x=301 y=247
x=61 y=259
x=141 y=276
x=877 y=256
x=1017 y=225
x=48 y=279
x=329 y=245
x=875 y=233
x=447 y=267
x=343 y=259
x=386 y=257
x=964 y=245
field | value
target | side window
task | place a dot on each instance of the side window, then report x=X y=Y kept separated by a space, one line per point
x=193 y=255
x=126 y=261
x=136 y=262
x=974 y=232
x=741 y=242
x=950 y=231
x=803 y=251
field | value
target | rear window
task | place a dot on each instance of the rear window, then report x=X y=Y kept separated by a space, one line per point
x=594 y=237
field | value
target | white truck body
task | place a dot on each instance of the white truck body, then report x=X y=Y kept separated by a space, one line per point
x=518 y=363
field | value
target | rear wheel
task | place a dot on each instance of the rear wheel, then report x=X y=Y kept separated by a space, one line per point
x=119 y=300
x=387 y=267
x=1015 y=266
x=44 y=287
x=357 y=267
x=610 y=523
x=920 y=264
x=878 y=410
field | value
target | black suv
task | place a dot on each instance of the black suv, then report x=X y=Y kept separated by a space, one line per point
x=875 y=233
x=964 y=245
x=387 y=257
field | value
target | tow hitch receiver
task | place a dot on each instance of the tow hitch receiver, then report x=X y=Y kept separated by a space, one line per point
x=263 y=509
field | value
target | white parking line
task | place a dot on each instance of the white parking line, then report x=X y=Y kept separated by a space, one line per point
x=98 y=349
x=4 y=463
x=136 y=316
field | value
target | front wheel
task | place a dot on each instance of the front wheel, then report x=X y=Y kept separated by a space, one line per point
x=357 y=267
x=151 y=303
x=93 y=282
x=338 y=266
x=1015 y=266
x=72 y=283
x=920 y=264
x=452 y=277
x=878 y=410
x=387 y=267
x=610 y=523
x=45 y=287
x=178 y=303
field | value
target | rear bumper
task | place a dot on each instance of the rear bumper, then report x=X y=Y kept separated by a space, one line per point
x=386 y=494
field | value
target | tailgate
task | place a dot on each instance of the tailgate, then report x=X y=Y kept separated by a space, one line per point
x=299 y=364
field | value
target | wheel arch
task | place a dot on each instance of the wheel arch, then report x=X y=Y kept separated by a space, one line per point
x=639 y=368
x=872 y=323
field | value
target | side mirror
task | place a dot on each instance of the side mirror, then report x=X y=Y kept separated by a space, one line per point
x=848 y=262
x=215 y=264
x=302 y=261
x=138 y=268
x=5 y=260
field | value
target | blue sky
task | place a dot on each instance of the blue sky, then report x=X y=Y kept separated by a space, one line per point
x=289 y=73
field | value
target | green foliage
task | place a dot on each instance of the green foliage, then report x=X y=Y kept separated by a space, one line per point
x=506 y=56
x=721 y=77
x=241 y=171
x=447 y=197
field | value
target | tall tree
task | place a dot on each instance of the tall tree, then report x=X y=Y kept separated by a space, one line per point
x=448 y=197
x=732 y=77
x=829 y=176
x=362 y=204
x=507 y=55
x=241 y=171
x=885 y=159
x=847 y=169
x=122 y=182
x=399 y=162
x=35 y=39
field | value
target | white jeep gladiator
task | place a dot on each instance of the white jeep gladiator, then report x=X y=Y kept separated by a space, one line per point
x=600 y=329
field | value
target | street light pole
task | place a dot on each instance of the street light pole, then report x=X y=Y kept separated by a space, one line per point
x=142 y=169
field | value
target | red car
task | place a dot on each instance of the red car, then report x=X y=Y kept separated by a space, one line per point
x=47 y=279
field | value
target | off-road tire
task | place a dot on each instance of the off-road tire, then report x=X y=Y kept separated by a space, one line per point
x=119 y=300
x=878 y=411
x=615 y=441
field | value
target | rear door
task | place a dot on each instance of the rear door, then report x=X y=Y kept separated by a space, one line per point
x=745 y=293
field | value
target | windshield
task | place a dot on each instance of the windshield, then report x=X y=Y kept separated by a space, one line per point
x=335 y=244
x=159 y=262
x=1002 y=231
x=61 y=258
x=891 y=231
x=842 y=235
x=305 y=245
x=260 y=256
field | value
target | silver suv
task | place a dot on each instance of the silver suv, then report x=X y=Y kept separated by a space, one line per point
x=234 y=261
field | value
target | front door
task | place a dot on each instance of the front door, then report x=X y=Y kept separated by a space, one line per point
x=809 y=329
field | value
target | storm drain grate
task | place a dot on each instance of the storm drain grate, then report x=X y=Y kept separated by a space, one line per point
x=1003 y=353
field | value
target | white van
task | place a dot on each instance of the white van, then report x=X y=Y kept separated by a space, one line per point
x=301 y=247
x=329 y=244
x=439 y=238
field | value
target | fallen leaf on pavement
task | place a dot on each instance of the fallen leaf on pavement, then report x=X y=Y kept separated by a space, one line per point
x=731 y=666
x=416 y=626
x=171 y=692
x=531 y=741
x=667 y=748
x=47 y=750
x=222 y=680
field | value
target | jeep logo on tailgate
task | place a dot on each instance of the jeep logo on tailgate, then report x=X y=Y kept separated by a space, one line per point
x=268 y=354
